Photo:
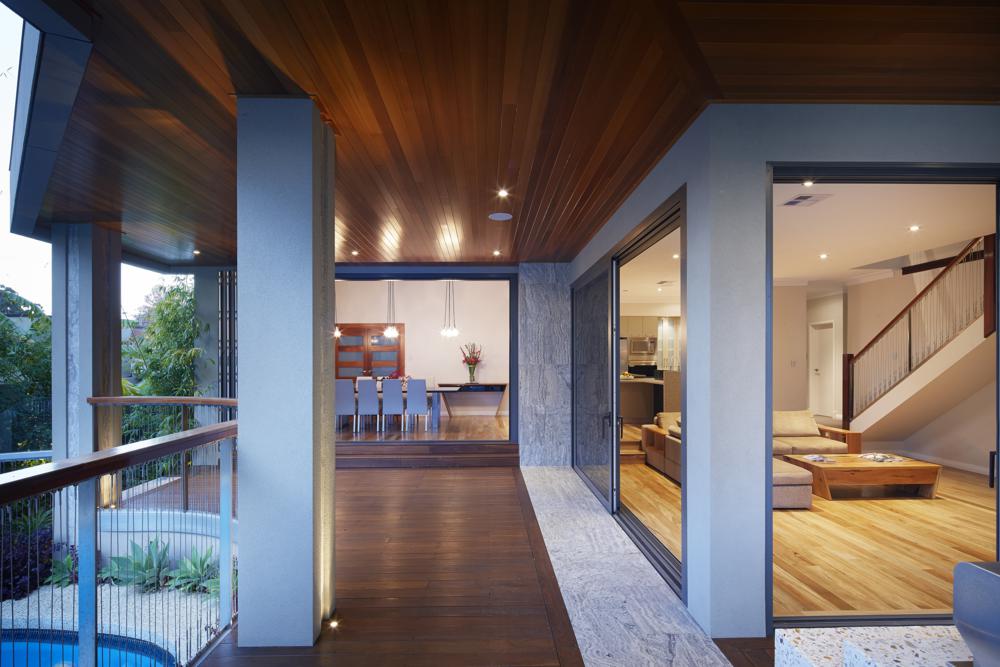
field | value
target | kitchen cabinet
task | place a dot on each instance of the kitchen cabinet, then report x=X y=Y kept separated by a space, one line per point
x=631 y=326
x=649 y=326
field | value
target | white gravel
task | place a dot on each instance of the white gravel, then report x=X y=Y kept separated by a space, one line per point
x=182 y=623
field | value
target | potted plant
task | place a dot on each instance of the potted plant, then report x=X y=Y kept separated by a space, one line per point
x=472 y=354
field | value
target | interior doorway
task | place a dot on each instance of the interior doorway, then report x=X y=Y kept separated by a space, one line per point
x=822 y=361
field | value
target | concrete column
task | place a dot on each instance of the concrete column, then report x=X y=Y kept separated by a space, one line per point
x=86 y=337
x=285 y=257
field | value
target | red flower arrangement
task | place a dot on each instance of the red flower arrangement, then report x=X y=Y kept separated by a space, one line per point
x=472 y=355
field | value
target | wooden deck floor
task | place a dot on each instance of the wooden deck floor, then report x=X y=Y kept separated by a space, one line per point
x=464 y=427
x=435 y=567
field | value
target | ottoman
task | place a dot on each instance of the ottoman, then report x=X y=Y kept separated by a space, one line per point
x=792 y=486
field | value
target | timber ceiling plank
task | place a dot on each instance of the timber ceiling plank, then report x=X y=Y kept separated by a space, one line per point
x=437 y=104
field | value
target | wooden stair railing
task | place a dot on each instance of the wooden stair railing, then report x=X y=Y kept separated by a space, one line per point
x=955 y=298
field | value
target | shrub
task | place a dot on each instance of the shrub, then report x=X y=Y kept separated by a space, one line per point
x=26 y=562
x=148 y=569
x=197 y=574
x=66 y=570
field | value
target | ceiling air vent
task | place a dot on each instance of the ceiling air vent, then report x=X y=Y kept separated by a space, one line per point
x=805 y=200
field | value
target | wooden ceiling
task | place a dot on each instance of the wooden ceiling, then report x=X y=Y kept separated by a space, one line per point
x=438 y=104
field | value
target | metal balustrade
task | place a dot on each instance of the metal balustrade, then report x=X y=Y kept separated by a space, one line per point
x=951 y=302
x=125 y=554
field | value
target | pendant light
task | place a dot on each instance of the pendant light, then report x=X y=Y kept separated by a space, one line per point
x=449 y=330
x=390 y=312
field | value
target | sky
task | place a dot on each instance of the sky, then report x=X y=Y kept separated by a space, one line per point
x=26 y=264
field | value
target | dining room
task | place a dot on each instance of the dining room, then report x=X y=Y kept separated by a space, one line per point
x=423 y=360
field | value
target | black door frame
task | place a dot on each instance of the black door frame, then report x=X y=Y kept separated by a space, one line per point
x=863 y=172
x=468 y=272
x=668 y=217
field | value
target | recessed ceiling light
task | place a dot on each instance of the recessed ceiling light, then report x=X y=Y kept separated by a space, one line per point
x=659 y=289
x=196 y=252
x=502 y=193
x=808 y=182
x=676 y=256
x=496 y=253
x=354 y=253
x=823 y=256
x=914 y=228
x=500 y=217
x=334 y=624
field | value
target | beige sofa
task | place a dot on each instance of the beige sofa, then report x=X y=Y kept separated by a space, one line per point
x=796 y=432
x=662 y=443
x=791 y=486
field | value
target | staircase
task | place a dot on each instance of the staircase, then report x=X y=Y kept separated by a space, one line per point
x=941 y=340
x=630 y=449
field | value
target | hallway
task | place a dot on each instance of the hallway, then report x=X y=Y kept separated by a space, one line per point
x=435 y=567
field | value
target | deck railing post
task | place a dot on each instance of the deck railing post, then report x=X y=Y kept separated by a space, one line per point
x=185 y=460
x=86 y=504
x=226 y=532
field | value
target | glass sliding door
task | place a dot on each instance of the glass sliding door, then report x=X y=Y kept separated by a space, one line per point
x=593 y=434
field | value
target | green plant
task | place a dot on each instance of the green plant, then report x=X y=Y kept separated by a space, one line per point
x=148 y=568
x=199 y=573
x=31 y=522
x=64 y=570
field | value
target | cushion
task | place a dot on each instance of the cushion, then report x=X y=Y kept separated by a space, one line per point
x=666 y=419
x=784 y=473
x=814 y=444
x=793 y=423
x=780 y=448
x=674 y=431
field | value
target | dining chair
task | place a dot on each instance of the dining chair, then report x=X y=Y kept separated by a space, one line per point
x=344 y=401
x=416 y=402
x=392 y=401
x=367 y=400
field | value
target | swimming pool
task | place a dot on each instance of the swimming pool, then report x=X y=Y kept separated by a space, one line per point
x=54 y=648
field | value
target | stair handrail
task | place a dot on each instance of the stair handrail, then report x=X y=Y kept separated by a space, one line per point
x=920 y=295
x=988 y=252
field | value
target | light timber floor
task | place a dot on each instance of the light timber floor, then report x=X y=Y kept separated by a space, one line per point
x=853 y=556
x=882 y=556
x=656 y=500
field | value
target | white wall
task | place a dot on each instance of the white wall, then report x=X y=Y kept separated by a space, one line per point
x=789 y=343
x=831 y=308
x=723 y=159
x=658 y=309
x=482 y=310
x=960 y=438
x=872 y=305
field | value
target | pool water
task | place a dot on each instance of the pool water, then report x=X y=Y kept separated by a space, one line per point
x=42 y=648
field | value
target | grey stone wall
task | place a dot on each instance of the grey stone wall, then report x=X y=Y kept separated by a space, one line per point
x=544 y=364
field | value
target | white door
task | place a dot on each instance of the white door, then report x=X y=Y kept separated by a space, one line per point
x=822 y=390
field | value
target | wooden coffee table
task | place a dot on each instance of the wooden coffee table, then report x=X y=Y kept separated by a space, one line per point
x=852 y=470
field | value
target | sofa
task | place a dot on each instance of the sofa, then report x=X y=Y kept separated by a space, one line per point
x=791 y=486
x=796 y=432
x=661 y=441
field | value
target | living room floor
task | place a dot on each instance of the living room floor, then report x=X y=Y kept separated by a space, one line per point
x=881 y=556
x=656 y=501
x=868 y=556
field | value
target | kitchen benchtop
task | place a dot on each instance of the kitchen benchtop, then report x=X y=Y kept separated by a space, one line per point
x=641 y=380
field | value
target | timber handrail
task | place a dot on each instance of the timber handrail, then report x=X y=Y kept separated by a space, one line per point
x=163 y=400
x=58 y=474
x=920 y=295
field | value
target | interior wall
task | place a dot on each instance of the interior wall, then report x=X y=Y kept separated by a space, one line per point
x=789 y=349
x=482 y=310
x=658 y=309
x=960 y=438
x=831 y=308
x=872 y=305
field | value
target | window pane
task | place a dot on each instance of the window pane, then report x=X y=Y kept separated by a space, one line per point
x=385 y=356
x=350 y=372
x=351 y=356
x=352 y=341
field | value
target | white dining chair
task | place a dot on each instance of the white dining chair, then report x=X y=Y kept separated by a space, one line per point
x=416 y=402
x=392 y=401
x=367 y=401
x=344 y=403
